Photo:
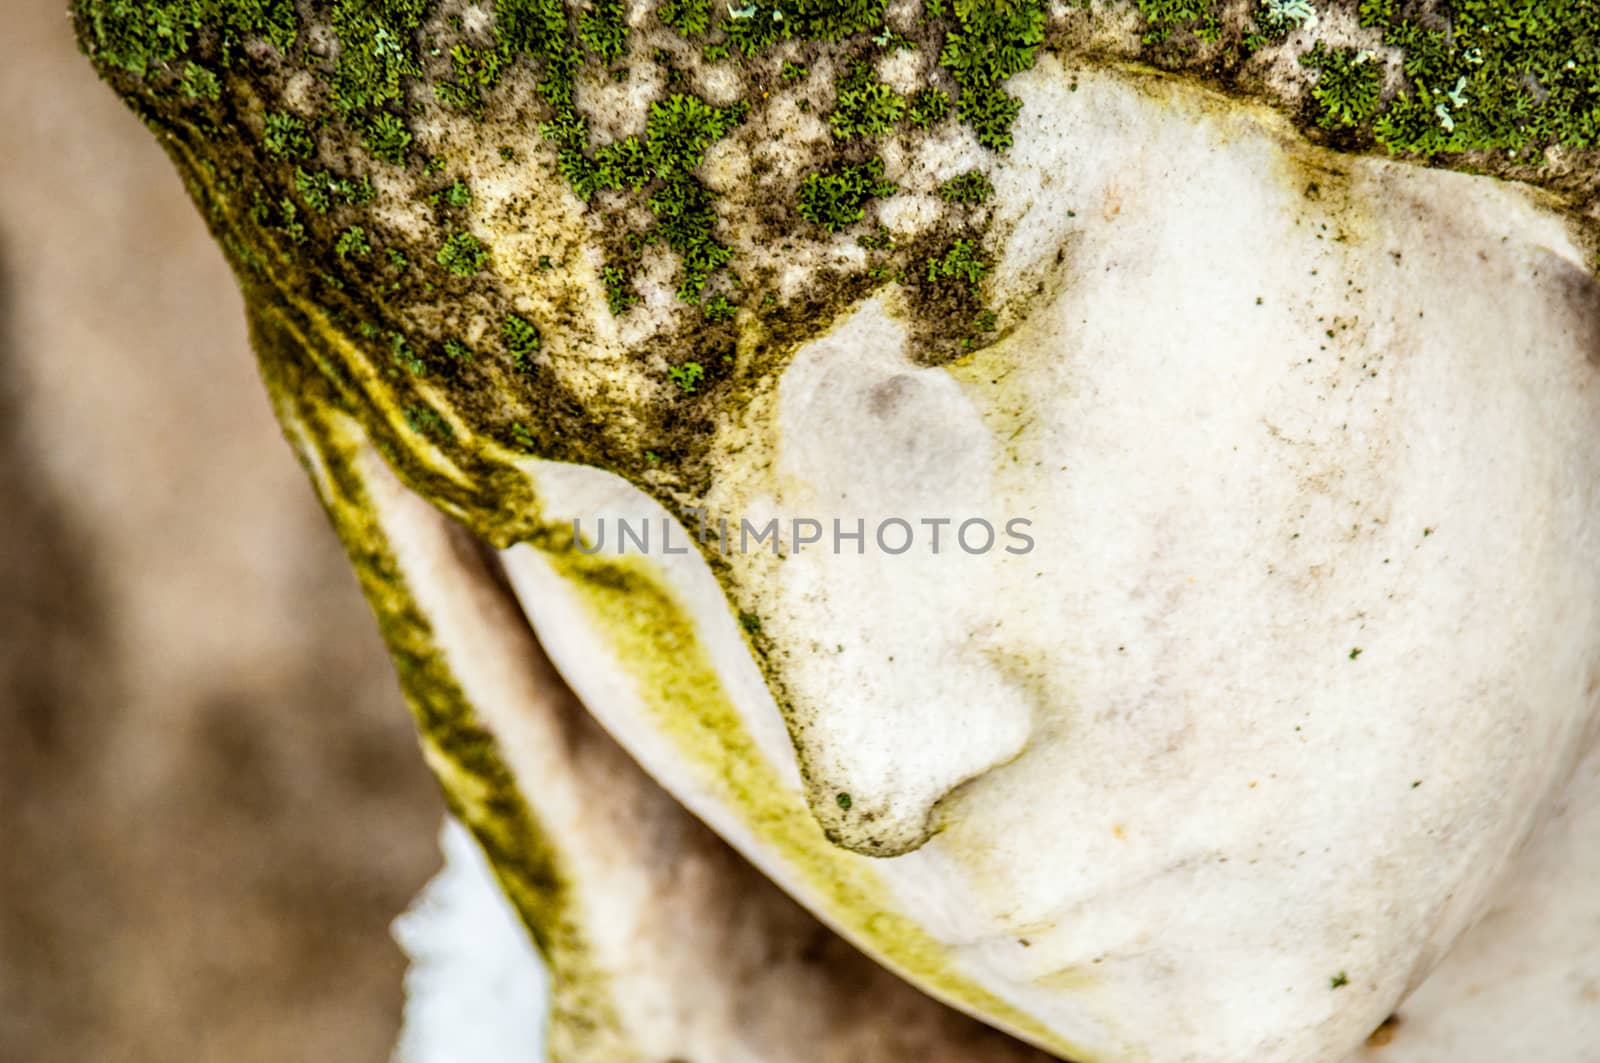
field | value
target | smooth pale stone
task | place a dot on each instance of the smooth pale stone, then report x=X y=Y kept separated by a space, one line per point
x=1309 y=640
x=1526 y=977
x=1525 y=982
x=475 y=988
x=661 y=942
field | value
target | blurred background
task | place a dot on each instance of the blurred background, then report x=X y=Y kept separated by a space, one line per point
x=211 y=802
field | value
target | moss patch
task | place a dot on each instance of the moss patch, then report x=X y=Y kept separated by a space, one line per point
x=463 y=254
x=143 y=35
x=837 y=197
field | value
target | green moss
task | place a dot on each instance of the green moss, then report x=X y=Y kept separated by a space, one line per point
x=457 y=196
x=143 y=36
x=970 y=187
x=476 y=71
x=992 y=41
x=688 y=17
x=198 y=83
x=521 y=339
x=889 y=40
x=387 y=137
x=678 y=131
x=1456 y=58
x=282 y=217
x=404 y=355
x=863 y=105
x=427 y=421
x=962 y=261
x=379 y=54
x=837 y=198
x=604 y=29
x=1348 y=88
x=323 y=191
x=1163 y=17
x=620 y=296
x=377 y=51
x=457 y=350
x=622 y=164
x=353 y=243
x=539 y=29
x=463 y=255
x=753 y=28
x=926 y=108
x=719 y=308
x=285 y=137
x=1504 y=75
x=686 y=219
x=687 y=376
x=681 y=127
x=880 y=239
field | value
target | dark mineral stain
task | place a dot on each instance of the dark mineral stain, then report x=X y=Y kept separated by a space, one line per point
x=1385 y=1033
x=1579 y=292
x=890 y=395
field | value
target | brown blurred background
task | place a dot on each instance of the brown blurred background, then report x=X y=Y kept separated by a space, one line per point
x=211 y=803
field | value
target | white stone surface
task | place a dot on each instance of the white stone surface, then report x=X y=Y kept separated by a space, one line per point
x=476 y=989
x=1309 y=641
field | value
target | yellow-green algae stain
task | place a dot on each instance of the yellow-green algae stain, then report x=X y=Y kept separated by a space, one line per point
x=478 y=786
x=653 y=637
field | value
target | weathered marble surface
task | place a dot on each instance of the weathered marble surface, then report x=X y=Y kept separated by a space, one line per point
x=1309 y=639
x=1304 y=648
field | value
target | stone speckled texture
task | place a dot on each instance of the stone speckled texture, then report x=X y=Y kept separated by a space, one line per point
x=1309 y=433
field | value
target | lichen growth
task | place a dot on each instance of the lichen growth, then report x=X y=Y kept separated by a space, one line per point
x=285 y=137
x=991 y=41
x=962 y=261
x=199 y=83
x=387 y=138
x=687 y=376
x=323 y=191
x=141 y=36
x=463 y=254
x=604 y=29
x=971 y=188
x=837 y=197
x=521 y=339
x=1164 y=17
x=927 y=108
x=863 y=105
x=412 y=333
x=1348 y=87
x=1506 y=77
x=353 y=243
